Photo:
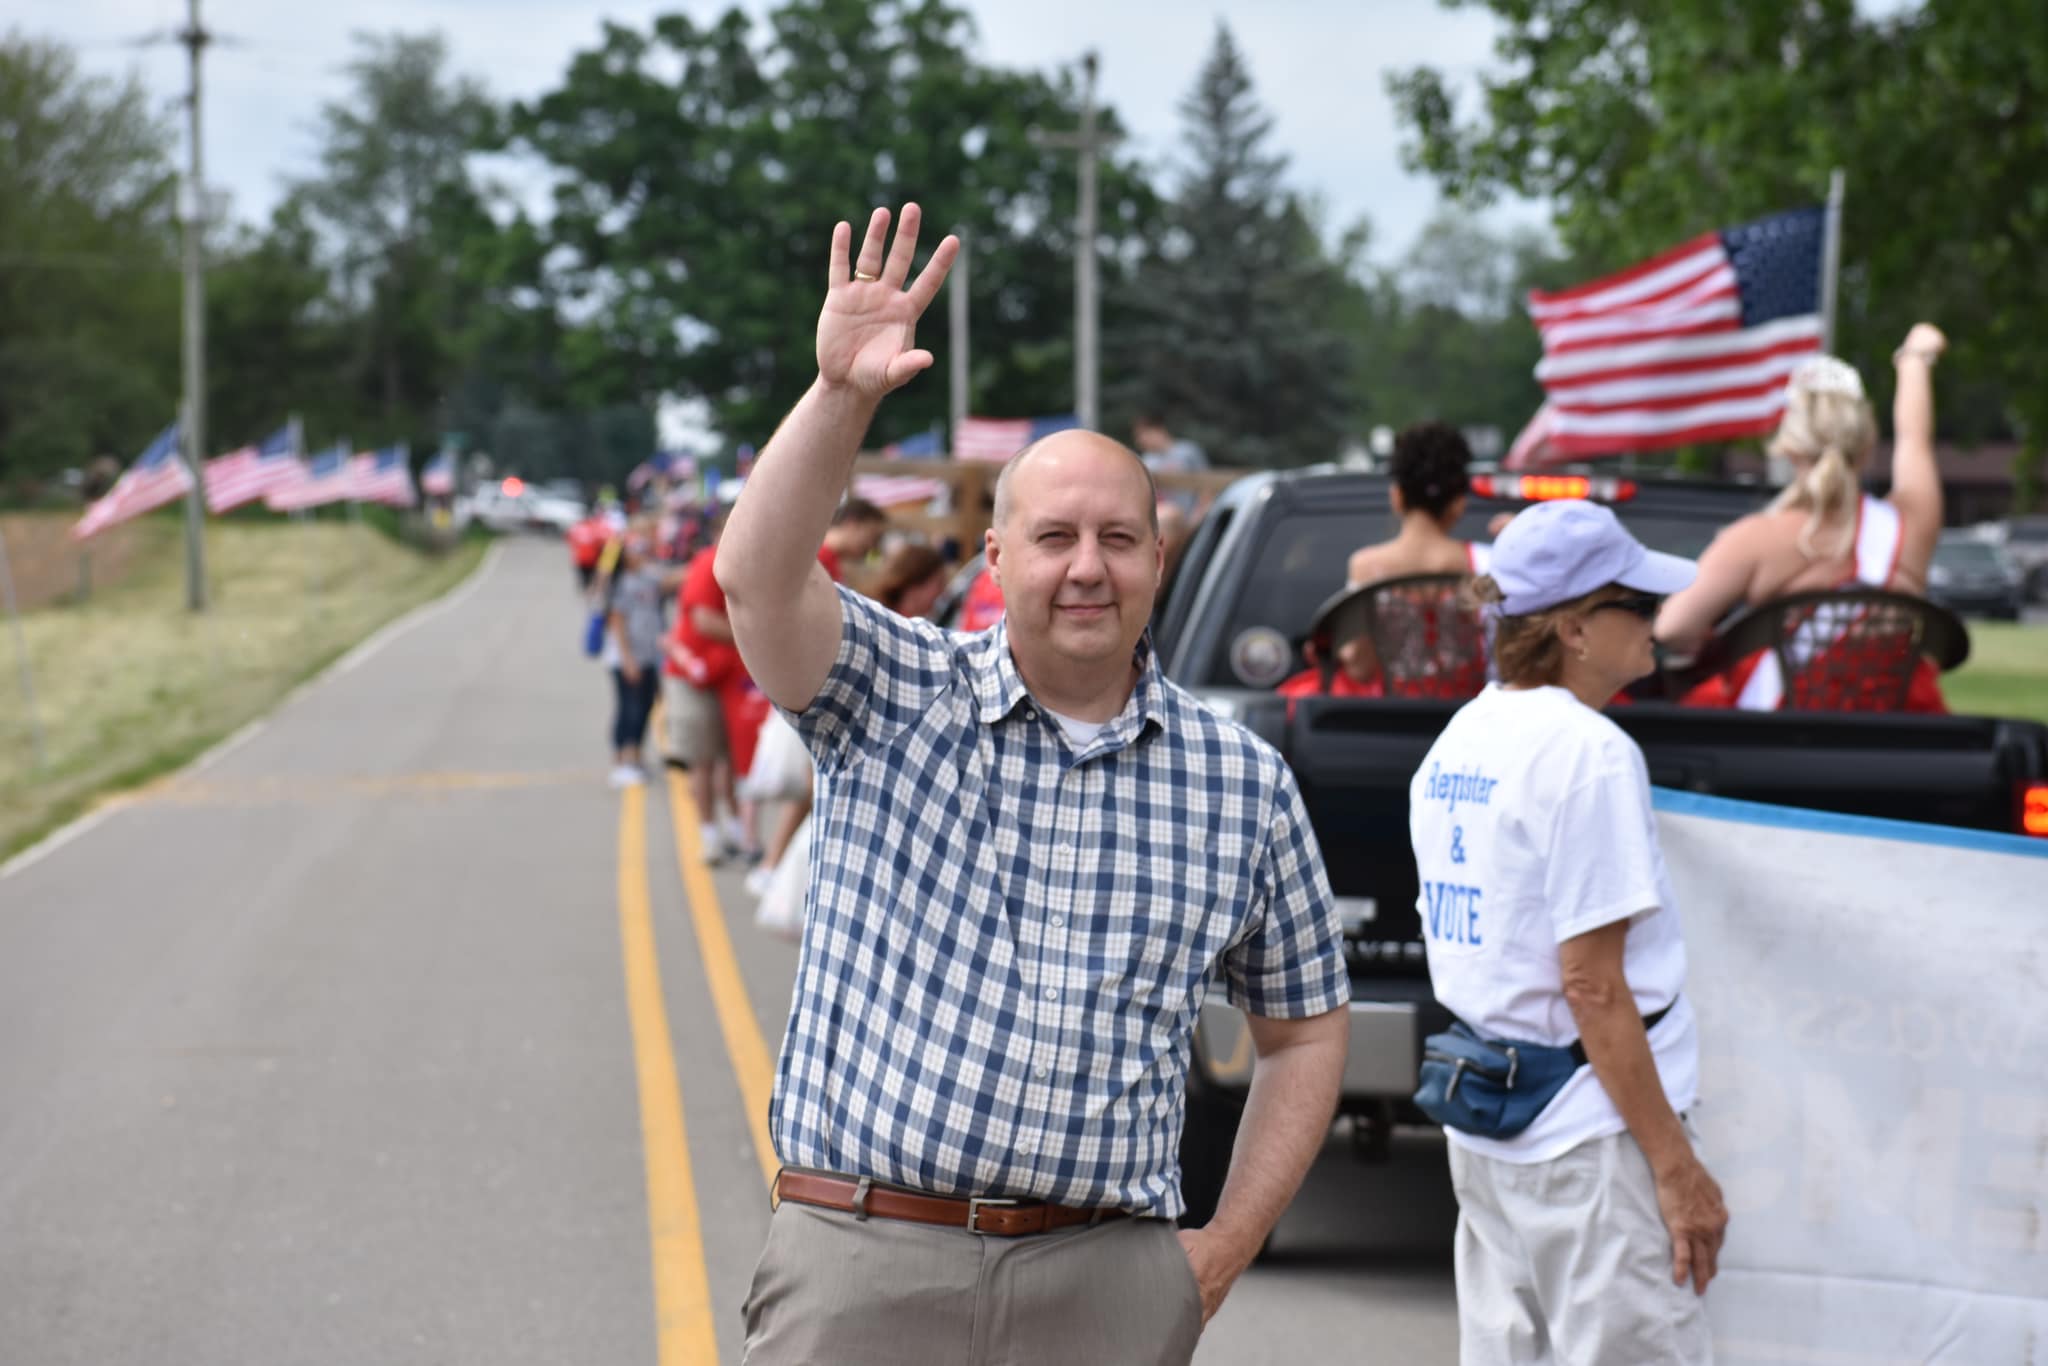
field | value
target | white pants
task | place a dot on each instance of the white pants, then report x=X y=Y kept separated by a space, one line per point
x=1568 y=1263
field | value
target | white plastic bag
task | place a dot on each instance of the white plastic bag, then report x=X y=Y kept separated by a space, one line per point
x=781 y=911
x=782 y=766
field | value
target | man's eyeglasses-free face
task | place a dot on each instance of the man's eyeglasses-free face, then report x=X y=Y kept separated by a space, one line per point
x=1642 y=605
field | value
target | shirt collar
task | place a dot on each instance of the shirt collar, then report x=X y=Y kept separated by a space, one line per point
x=999 y=688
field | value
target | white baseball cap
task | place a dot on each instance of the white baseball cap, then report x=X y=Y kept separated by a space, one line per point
x=1558 y=551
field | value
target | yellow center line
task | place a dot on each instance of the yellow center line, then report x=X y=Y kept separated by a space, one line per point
x=736 y=1018
x=684 y=1332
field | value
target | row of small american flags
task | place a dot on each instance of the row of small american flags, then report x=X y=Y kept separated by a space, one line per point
x=275 y=470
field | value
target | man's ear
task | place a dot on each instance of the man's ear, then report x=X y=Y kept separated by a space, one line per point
x=992 y=555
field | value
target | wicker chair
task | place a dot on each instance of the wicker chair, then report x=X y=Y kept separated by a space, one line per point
x=1842 y=649
x=1430 y=642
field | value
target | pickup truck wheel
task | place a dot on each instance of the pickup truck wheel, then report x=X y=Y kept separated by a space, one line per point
x=1205 y=1144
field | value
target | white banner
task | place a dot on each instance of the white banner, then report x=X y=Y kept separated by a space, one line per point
x=1873 y=1005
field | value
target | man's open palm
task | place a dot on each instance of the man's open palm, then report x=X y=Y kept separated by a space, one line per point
x=867 y=335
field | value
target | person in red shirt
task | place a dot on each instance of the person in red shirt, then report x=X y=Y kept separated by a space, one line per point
x=586 y=546
x=705 y=692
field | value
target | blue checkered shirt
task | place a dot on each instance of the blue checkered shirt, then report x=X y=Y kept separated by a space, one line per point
x=1007 y=939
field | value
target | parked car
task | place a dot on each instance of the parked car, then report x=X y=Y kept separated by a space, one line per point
x=549 y=508
x=511 y=504
x=2025 y=542
x=1973 y=577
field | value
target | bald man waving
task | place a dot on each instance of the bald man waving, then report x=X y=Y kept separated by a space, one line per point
x=1032 y=852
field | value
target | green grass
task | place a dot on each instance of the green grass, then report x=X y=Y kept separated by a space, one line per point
x=2006 y=674
x=130 y=685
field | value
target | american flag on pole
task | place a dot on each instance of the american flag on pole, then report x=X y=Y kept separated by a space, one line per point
x=244 y=475
x=383 y=477
x=1692 y=345
x=158 y=476
x=437 y=480
x=999 y=438
x=316 y=481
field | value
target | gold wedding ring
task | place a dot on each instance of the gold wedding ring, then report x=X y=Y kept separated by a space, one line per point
x=863 y=275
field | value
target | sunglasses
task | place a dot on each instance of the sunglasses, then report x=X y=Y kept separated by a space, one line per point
x=1643 y=605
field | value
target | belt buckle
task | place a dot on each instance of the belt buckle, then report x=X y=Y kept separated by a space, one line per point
x=975 y=1205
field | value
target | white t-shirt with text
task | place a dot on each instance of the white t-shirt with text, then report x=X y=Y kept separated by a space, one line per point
x=1532 y=824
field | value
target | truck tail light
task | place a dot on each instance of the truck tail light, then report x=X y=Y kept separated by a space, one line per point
x=1543 y=488
x=2034 y=809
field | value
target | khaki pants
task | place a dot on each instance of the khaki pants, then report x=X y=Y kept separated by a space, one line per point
x=833 y=1290
x=695 y=721
x=1568 y=1263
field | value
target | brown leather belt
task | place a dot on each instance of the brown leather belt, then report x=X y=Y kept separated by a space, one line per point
x=1000 y=1218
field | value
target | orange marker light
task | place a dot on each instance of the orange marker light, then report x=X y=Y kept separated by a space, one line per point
x=513 y=486
x=2034 y=809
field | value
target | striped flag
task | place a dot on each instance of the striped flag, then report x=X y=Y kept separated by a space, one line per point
x=1691 y=345
x=999 y=438
x=158 y=476
x=895 y=490
x=437 y=480
x=244 y=475
x=318 y=480
x=383 y=477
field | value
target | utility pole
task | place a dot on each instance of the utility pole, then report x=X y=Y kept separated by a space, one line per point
x=192 y=203
x=1089 y=142
x=956 y=317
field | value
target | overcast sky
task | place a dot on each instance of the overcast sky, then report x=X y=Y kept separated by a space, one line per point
x=1318 y=65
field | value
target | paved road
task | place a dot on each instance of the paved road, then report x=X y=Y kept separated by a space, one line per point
x=392 y=1035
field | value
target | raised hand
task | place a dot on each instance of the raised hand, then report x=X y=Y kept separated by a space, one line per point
x=1924 y=341
x=867 y=333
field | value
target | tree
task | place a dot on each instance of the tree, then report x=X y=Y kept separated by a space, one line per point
x=1645 y=124
x=394 y=161
x=699 y=169
x=1442 y=333
x=88 y=264
x=275 y=338
x=1230 y=328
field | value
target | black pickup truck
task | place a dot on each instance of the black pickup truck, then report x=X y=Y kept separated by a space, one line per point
x=1274 y=546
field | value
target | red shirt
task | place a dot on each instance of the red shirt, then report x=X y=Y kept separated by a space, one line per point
x=706 y=662
x=586 y=540
x=983 y=605
x=829 y=557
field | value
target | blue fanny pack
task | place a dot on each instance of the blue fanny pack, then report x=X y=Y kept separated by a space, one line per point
x=1495 y=1088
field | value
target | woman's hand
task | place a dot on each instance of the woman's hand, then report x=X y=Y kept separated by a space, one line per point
x=1925 y=341
x=1697 y=1219
x=867 y=333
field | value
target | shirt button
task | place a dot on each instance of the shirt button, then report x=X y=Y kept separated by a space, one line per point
x=1042 y=1073
x=1027 y=1147
x=1058 y=921
x=1030 y=715
x=1052 y=993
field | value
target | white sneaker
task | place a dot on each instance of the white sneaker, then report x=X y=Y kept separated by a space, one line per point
x=626 y=775
x=758 y=879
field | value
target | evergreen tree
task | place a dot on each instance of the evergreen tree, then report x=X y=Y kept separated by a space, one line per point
x=1230 y=330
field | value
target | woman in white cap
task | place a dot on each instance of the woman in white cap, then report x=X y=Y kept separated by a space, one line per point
x=1588 y=1228
x=1824 y=531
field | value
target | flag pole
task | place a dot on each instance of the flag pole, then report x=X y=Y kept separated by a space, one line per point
x=1831 y=259
x=28 y=678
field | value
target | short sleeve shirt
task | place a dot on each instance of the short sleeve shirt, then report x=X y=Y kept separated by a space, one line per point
x=1009 y=936
x=705 y=662
x=1532 y=824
